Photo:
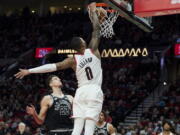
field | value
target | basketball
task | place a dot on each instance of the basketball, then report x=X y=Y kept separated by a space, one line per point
x=102 y=14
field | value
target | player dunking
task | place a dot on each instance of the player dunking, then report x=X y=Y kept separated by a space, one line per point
x=88 y=100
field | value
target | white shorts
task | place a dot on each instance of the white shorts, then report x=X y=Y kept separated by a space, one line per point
x=88 y=102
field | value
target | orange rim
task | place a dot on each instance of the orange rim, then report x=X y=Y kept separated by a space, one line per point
x=111 y=10
x=101 y=5
x=105 y=5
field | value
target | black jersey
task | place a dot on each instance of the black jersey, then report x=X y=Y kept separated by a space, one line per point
x=58 y=115
x=101 y=130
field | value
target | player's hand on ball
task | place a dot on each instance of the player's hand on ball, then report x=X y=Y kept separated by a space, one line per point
x=30 y=110
x=92 y=7
x=22 y=73
x=102 y=14
x=93 y=15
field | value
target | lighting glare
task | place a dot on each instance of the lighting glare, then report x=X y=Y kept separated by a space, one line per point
x=164 y=83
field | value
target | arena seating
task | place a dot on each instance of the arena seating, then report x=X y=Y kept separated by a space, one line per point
x=125 y=83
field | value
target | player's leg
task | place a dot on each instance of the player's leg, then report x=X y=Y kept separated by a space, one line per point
x=89 y=126
x=93 y=110
x=94 y=101
x=78 y=126
x=78 y=113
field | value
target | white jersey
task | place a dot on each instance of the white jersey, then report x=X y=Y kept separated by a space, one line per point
x=88 y=69
x=170 y=133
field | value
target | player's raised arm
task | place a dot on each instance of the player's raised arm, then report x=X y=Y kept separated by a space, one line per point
x=67 y=63
x=39 y=118
x=94 y=43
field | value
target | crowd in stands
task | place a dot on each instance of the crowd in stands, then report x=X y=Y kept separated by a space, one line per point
x=126 y=82
x=17 y=94
x=132 y=82
x=21 y=32
x=166 y=109
x=132 y=79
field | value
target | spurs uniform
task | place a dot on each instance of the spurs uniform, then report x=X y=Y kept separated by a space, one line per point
x=89 y=97
x=58 y=120
x=103 y=130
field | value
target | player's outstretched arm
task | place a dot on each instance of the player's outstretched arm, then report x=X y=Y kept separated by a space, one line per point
x=39 y=118
x=31 y=111
x=67 y=63
x=94 y=43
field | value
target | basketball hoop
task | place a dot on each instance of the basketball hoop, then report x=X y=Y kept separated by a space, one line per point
x=126 y=11
x=106 y=25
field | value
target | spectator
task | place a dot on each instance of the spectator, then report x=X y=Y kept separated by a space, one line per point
x=167 y=129
x=21 y=129
x=2 y=132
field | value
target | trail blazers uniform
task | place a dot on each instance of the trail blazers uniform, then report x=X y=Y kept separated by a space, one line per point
x=89 y=97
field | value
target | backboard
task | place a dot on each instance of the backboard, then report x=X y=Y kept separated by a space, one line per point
x=144 y=8
x=125 y=9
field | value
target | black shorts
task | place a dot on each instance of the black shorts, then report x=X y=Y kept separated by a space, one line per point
x=60 y=133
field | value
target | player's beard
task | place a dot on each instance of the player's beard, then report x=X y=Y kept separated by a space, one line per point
x=101 y=121
x=167 y=130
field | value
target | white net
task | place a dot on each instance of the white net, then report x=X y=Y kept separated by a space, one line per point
x=107 y=25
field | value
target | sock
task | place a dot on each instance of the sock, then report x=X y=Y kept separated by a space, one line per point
x=89 y=127
x=78 y=126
